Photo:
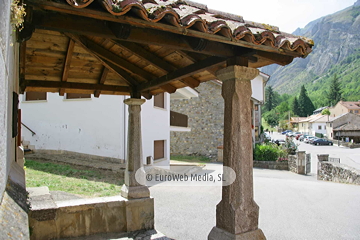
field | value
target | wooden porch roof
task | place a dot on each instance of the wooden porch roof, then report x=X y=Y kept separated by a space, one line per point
x=140 y=47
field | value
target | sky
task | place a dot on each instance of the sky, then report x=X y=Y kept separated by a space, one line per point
x=288 y=15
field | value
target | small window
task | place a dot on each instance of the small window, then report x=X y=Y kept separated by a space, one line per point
x=178 y=119
x=356 y=111
x=351 y=111
x=77 y=95
x=319 y=127
x=159 y=149
x=159 y=100
x=256 y=107
x=330 y=124
x=35 y=96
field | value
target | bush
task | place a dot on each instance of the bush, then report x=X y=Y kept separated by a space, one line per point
x=268 y=152
x=290 y=146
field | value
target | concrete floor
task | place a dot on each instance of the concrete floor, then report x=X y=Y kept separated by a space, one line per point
x=291 y=207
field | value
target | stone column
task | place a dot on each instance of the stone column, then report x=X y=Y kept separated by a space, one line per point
x=237 y=213
x=132 y=189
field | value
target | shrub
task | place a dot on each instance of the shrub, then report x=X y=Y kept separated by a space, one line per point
x=268 y=152
x=290 y=146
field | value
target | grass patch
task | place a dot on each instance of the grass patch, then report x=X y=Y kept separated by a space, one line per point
x=191 y=159
x=72 y=179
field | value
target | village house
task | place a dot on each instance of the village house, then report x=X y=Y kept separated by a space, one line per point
x=70 y=123
x=344 y=107
x=314 y=124
x=205 y=114
x=344 y=127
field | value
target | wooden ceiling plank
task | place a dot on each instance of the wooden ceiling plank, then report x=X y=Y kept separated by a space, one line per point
x=102 y=81
x=182 y=73
x=147 y=55
x=119 y=71
x=115 y=59
x=156 y=61
x=67 y=64
x=78 y=86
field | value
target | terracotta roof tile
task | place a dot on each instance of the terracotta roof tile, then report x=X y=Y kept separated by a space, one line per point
x=188 y=14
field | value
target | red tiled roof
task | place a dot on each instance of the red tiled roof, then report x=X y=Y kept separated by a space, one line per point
x=351 y=105
x=196 y=16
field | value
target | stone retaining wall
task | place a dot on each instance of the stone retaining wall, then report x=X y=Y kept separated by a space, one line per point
x=336 y=172
x=49 y=219
x=283 y=165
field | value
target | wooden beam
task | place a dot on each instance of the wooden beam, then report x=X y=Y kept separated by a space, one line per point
x=92 y=27
x=119 y=71
x=22 y=64
x=183 y=73
x=78 y=86
x=67 y=64
x=115 y=59
x=153 y=59
x=102 y=81
x=126 y=19
x=275 y=58
x=146 y=55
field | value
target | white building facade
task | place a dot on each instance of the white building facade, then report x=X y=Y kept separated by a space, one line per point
x=96 y=126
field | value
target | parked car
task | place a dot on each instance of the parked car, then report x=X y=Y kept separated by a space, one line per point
x=308 y=138
x=298 y=136
x=313 y=139
x=267 y=136
x=321 y=141
x=301 y=138
x=289 y=134
x=285 y=132
x=278 y=141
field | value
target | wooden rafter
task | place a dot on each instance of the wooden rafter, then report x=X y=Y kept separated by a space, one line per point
x=153 y=59
x=182 y=73
x=116 y=63
x=119 y=71
x=102 y=81
x=67 y=64
x=79 y=86
x=115 y=59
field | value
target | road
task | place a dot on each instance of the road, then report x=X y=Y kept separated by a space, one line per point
x=292 y=207
x=350 y=157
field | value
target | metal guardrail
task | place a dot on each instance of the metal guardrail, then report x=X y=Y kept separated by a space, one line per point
x=335 y=160
x=32 y=132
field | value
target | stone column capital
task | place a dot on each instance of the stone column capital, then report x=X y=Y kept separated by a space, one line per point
x=134 y=101
x=236 y=72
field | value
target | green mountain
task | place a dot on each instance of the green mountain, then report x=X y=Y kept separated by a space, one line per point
x=336 y=51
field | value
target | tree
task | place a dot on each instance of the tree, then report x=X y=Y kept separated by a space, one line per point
x=334 y=95
x=271 y=118
x=269 y=98
x=326 y=112
x=295 y=107
x=306 y=106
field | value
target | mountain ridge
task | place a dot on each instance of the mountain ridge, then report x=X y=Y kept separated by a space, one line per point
x=336 y=37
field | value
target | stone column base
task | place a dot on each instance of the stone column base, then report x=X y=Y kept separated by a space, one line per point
x=220 y=234
x=135 y=192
